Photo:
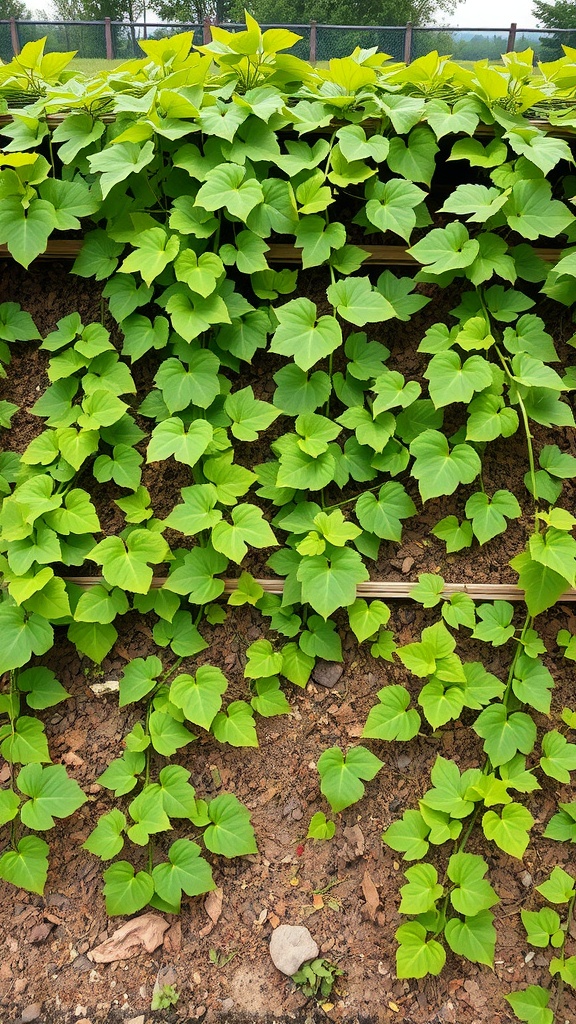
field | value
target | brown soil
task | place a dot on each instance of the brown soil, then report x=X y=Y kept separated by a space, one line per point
x=48 y=292
x=44 y=941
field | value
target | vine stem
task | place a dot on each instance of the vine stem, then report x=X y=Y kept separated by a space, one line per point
x=13 y=692
x=562 y=951
x=526 y=424
x=340 y=504
x=460 y=845
x=332 y=275
x=507 y=371
x=147 y=776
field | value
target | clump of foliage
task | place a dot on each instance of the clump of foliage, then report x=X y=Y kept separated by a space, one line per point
x=183 y=169
x=317 y=978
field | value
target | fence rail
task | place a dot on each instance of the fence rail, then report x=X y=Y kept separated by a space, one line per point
x=109 y=39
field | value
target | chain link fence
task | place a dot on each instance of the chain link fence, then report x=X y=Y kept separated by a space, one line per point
x=319 y=43
x=341 y=40
x=126 y=36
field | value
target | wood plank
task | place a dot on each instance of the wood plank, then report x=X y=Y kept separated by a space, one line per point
x=378 y=255
x=376 y=588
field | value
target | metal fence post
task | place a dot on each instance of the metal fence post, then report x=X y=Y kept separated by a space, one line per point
x=14 y=37
x=511 y=37
x=108 y=37
x=408 y=43
x=207 y=31
x=312 y=42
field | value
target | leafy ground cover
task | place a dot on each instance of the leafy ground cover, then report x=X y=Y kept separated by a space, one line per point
x=179 y=407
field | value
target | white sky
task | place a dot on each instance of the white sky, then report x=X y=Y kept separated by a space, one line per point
x=493 y=14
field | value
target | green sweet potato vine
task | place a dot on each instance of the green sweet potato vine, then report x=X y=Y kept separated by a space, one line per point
x=182 y=170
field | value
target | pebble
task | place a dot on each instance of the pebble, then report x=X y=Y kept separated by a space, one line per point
x=327 y=673
x=31 y=1012
x=290 y=946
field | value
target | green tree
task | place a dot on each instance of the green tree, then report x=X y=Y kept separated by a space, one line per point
x=13 y=9
x=561 y=14
x=195 y=11
x=349 y=12
x=289 y=12
x=97 y=10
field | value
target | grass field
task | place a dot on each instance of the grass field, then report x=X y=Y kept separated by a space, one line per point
x=91 y=66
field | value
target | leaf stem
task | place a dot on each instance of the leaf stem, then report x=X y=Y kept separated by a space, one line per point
x=526 y=424
x=340 y=504
x=13 y=693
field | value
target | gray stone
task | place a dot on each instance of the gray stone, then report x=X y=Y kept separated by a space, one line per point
x=290 y=946
x=32 y=1012
x=327 y=673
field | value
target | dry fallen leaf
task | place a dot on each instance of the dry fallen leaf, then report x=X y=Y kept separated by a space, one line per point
x=173 y=938
x=370 y=895
x=213 y=907
x=213 y=904
x=355 y=837
x=72 y=760
x=144 y=932
x=108 y=686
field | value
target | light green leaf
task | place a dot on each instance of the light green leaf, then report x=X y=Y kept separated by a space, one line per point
x=105 y=841
x=52 y=795
x=299 y=335
x=125 y=563
x=408 y=835
x=236 y=726
x=445 y=249
x=125 y=891
x=116 y=163
x=138 y=679
x=509 y=830
x=391 y=204
x=422 y=891
x=122 y=773
x=365 y=619
x=269 y=699
x=27 y=866
x=25 y=743
x=186 y=871
x=390 y=719
x=416 y=957
x=249 y=415
x=341 y=776
x=559 y=756
x=320 y=828
x=41 y=687
x=489 y=515
x=228 y=187
x=329 y=581
x=472 y=893
x=358 y=302
x=452 y=381
x=167 y=734
x=382 y=515
x=248 y=527
x=230 y=833
x=531 y=1005
x=558 y=888
x=473 y=938
x=439 y=470
x=199 y=696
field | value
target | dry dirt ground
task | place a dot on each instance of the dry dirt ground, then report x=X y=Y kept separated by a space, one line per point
x=346 y=890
